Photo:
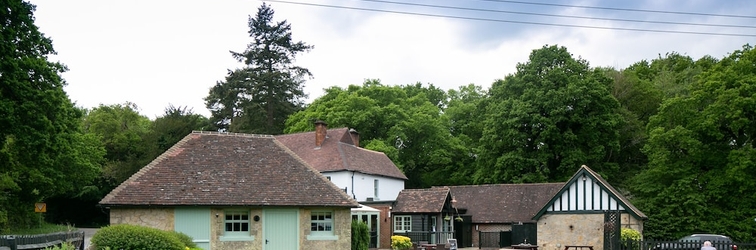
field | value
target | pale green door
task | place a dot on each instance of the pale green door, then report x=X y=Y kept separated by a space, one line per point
x=280 y=229
x=194 y=222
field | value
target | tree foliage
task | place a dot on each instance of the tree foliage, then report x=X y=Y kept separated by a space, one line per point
x=702 y=161
x=43 y=151
x=260 y=96
x=121 y=130
x=172 y=126
x=553 y=115
x=410 y=129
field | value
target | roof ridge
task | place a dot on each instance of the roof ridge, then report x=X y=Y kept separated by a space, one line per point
x=312 y=169
x=509 y=184
x=231 y=134
x=310 y=131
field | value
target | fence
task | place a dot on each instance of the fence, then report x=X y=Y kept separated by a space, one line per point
x=499 y=239
x=430 y=237
x=41 y=241
x=683 y=245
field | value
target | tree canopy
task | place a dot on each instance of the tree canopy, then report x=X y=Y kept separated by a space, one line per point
x=702 y=161
x=553 y=115
x=258 y=97
x=43 y=151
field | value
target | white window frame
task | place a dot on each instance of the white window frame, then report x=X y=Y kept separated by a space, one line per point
x=402 y=223
x=326 y=220
x=242 y=217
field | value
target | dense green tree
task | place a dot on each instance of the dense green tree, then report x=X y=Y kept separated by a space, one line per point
x=464 y=114
x=121 y=130
x=260 y=96
x=172 y=126
x=408 y=128
x=639 y=100
x=702 y=160
x=553 y=115
x=43 y=152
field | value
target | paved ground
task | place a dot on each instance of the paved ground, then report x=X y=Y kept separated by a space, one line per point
x=88 y=232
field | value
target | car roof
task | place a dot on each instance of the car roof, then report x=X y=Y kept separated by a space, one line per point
x=709 y=236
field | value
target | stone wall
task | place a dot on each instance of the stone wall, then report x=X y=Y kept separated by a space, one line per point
x=342 y=226
x=628 y=221
x=217 y=224
x=160 y=218
x=558 y=230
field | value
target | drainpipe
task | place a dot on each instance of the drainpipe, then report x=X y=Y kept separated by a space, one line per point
x=353 y=196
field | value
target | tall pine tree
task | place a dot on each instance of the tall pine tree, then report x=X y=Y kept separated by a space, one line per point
x=260 y=96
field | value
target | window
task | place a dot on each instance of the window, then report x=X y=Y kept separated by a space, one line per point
x=328 y=177
x=375 y=189
x=236 y=226
x=402 y=223
x=237 y=222
x=321 y=226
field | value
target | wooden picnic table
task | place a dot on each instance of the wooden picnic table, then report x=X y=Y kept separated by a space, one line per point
x=578 y=247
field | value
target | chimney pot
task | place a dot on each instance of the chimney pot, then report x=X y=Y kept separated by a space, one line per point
x=355 y=137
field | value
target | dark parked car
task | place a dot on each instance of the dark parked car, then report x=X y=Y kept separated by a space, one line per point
x=695 y=241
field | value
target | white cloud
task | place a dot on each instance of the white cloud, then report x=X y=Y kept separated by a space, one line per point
x=155 y=53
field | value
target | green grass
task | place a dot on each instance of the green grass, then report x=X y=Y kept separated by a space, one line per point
x=45 y=228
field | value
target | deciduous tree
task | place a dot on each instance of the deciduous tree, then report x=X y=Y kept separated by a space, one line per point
x=43 y=151
x=702 y=160
x=553 y=115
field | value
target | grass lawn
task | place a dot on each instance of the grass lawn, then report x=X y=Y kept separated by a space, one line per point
x=45 y=228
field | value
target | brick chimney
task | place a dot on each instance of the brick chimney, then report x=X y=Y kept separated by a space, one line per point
x=355 y=137
x=321 y=128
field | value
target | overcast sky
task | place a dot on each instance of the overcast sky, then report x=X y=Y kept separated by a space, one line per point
x=159 y=52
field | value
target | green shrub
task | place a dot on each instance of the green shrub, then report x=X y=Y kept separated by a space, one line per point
x=64 y=246
x=627 y=234
x=131 y=237
x=630 y=238
x=399 y=242
x=360 y=235
x=185 y=239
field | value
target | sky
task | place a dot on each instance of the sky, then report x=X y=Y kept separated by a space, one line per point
x=156 y=53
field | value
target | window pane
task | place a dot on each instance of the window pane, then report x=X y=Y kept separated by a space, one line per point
x=229 y=227
x=245 y=227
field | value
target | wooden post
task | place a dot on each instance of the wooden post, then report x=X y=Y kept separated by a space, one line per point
x=12 y=242
x=83 y=238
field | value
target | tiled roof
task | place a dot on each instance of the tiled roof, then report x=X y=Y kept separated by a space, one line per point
x=503 y=203
x=338 y=153
x=221 y=169
x=430 y=200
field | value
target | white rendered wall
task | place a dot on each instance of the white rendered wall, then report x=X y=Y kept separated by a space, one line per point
x=388 y=188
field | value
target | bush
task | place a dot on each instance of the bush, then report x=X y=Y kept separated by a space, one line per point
x=630 y=234
x=630 y=238
x=64 y=246
x=399 y=242
x=360 y=235
x=185 y=239
x=131 y=237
